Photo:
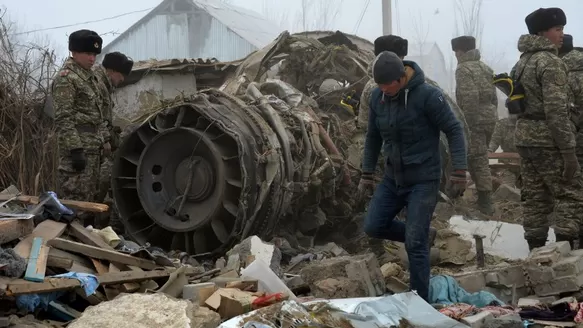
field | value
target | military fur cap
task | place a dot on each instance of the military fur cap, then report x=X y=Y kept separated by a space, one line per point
x=543 y=19
x=118 y=62
x=567 y=44
x=391 y=43
x=85 y=41
x=463 y=43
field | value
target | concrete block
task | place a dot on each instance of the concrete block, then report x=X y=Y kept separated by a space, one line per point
x=505 y=321
x=539 y=274
x=368 y=272
x=568 y=266
x=535 y=300
x=550 y=253
x=528 y=302
x=478 y=320
x=472 y=282
x=363 y=268
x=192 y=291
x=506 y=277
x=559 y=286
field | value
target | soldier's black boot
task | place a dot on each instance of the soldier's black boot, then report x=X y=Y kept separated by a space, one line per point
x=570 y=239
x=485 y=203
x=535 y=243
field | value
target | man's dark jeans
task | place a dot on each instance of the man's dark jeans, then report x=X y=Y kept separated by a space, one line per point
x=420 y=199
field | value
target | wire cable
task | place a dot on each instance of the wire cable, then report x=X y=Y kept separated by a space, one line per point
x=361 y=17
x=82 y=23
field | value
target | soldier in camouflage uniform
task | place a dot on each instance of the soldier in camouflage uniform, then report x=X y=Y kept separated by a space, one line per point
x=503 y=137
x=78 y=119
x=112 y=72
x=476 y=96
x=573 y=58
x=544 y=136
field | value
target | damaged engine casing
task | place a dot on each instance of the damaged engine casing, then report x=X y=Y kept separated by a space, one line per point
x=210 y=170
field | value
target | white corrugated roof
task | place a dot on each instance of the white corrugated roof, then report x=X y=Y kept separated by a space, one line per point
x=249 y=25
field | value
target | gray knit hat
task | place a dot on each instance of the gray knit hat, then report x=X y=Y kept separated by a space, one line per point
x=387 y=67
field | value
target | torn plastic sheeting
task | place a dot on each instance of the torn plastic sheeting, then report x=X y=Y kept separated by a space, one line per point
x=387 y=310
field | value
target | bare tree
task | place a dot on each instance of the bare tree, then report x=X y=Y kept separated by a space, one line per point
x=468 y=18
x=420 y=35
x=28 y=152
x=316 y=15
x=280 y=17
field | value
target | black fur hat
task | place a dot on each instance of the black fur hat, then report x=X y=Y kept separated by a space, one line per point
x=543 y=19
x=118 y=62
x=85 y=41
x=463 y=43
x=391 y=43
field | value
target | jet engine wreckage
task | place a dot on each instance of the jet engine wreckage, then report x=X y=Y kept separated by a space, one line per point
x=259 y=156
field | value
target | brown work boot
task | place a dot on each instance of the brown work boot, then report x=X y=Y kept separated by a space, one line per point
x=485 y=203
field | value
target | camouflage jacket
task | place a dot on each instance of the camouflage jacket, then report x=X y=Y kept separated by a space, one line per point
x=546 y=120
x=503 y=136
x=574 y=61
x=105 y=91
x=77 y=106
x=475 y=93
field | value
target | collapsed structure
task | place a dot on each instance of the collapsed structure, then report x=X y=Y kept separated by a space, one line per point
x=272 y=148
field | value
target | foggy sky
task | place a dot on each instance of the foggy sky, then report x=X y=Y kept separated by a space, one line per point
x=503 y=20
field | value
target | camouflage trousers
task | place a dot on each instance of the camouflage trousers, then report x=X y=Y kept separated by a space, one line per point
x=478 y=163
x=544 y=190
x=75 y=185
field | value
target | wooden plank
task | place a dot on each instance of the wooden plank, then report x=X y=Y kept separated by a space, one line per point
x=110 y=291
x=14 y=229
x=87 y=237
x=46 y=230
x=101 y=254
x=19 y=286
x=129 y=287
x=73 y=204
x=503 y=155
x=90 y=238
x=37 y=261
x=77 y=260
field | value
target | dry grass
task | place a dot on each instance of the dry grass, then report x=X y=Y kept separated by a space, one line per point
x=27 y=141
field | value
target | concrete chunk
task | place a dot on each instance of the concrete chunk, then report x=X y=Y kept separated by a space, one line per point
x=506 y=277
x=568 y=266
x=478 y=320
x=559 y=286
x=362 y=268
x=506 y=193
x=505 y=321
x=539 y=274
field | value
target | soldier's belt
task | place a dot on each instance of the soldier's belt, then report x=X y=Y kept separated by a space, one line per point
x=86 y=128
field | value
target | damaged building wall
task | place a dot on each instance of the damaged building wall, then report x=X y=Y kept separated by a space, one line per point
x=135 y=100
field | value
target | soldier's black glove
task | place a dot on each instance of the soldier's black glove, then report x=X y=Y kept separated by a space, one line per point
x=78 y=160
x=571 y=166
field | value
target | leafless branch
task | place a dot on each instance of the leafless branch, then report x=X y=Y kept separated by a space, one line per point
x=27 y=142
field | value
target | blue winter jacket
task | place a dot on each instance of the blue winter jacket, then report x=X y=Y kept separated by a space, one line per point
x=408 y=125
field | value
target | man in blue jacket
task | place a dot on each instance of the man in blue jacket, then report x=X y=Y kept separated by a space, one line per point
x=406 y=117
